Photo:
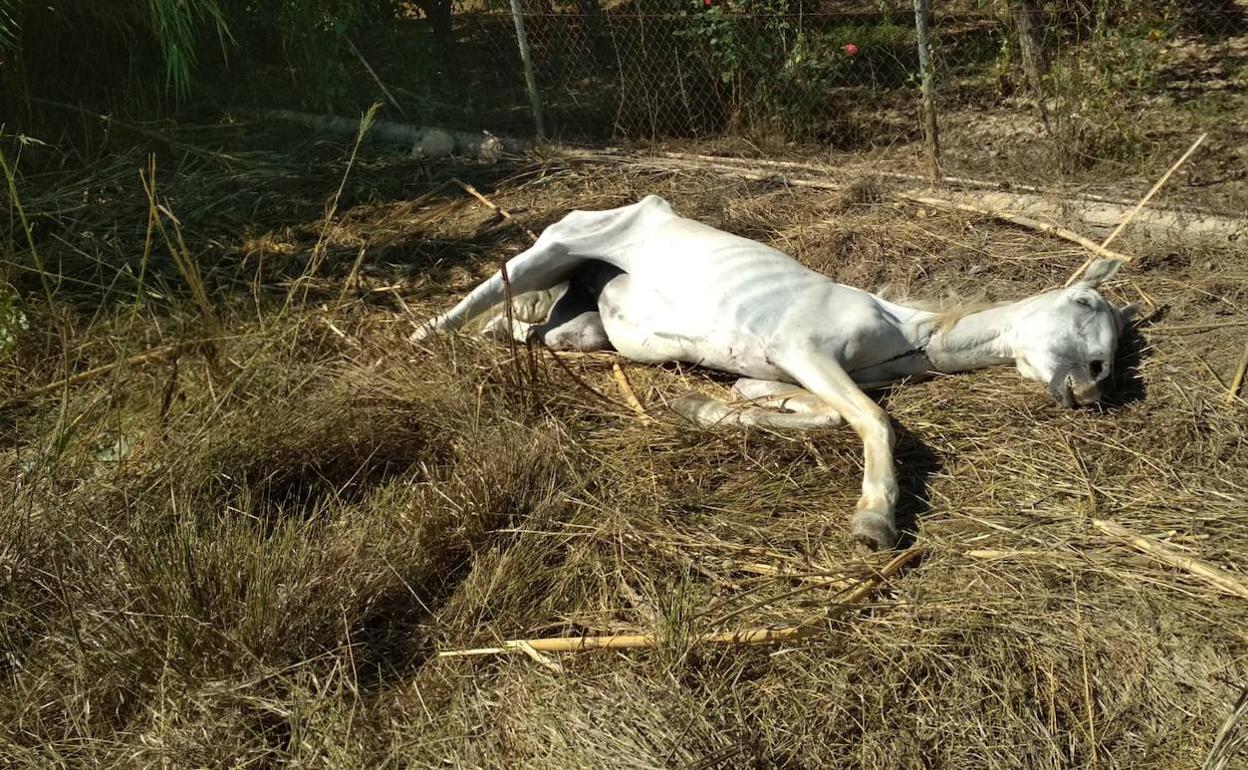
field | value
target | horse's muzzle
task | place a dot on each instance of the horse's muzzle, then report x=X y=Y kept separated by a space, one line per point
x=1071 y=391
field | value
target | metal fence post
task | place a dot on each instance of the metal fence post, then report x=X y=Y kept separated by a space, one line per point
x=530 y=79
x=922 y=14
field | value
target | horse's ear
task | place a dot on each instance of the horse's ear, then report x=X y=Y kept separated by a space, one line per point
x=1127 y=314
x=1100 y=271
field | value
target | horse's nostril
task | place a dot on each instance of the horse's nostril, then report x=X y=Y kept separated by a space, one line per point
x=1097 y=368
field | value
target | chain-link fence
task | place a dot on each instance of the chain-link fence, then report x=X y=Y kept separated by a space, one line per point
x=695 y=68
x=1087 y=75
x=764 y=68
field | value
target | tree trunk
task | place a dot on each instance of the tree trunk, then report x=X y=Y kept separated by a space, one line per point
x=530 y=77
x=1176 y=228
x=931 y=134
x=1028 y=23
x=595 y=27
x=438 y=12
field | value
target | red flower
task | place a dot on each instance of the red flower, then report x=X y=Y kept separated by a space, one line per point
x=851 y=50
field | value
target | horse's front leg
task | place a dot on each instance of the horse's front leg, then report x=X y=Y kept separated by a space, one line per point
x=874 y=523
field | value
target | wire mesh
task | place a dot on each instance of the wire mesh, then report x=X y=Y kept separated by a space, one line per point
x=1079 y=79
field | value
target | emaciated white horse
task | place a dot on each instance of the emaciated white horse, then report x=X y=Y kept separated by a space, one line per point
x=658 y=287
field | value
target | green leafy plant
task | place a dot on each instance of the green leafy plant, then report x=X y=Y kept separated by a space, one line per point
x=1087 y=82
x=8 y=25
x=784 y=66
x=309 y=42
x=176 y=25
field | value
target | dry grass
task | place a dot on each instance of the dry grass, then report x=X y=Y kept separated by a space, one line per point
x=266 y=574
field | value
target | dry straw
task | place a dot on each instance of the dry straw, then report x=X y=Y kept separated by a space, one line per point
x=275 y=568
x=1211 y=574
x=745 y=636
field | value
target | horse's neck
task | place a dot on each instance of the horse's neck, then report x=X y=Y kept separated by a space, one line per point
x=972 y=341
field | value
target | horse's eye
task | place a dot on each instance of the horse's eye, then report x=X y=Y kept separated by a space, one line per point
x=1083 y=302
x=1097 y=368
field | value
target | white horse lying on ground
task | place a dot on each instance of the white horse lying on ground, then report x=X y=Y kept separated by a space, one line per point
x=657 y=287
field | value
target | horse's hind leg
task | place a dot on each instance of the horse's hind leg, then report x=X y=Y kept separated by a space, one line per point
x=708 y=412
x=574 y=322
x=543 y=265
x=805 y=410
x=581 y=332
x=782 y=395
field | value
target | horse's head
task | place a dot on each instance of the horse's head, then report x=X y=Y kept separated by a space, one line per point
x=1068 y=338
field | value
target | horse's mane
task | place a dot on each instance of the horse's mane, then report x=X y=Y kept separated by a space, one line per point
x=949 y=316
x=949 y=310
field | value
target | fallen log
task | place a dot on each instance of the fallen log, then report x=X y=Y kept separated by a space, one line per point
x=1134 y=212
x=1095 y=216
x=1021 y=221
x=1100 y=218
x=425 y=141
x=1090 y=216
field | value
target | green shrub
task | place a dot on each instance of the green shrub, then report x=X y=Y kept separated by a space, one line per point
x=176 y=27
x=1093 y=120
x=784 y=67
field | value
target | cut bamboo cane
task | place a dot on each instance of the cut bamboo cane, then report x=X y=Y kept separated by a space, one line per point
x=1011 y=554
x=373 y=74
x=747 y=636
x=1139 y=206
x=1210 y=573
x=502 y=212
x=630 y=395
x=814 y=578
x=150 y=356
x=1021 y=221
x=1238 y=382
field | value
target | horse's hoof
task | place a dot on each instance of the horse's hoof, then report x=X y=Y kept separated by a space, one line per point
x=422 y=333
x=700 y=409
x=876 y=531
